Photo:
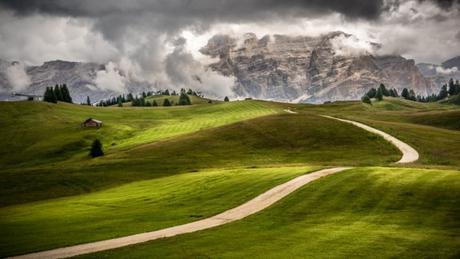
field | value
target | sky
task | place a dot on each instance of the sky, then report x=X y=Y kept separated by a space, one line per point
x=159 y=40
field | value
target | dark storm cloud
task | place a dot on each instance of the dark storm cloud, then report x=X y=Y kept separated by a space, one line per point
x=199 y=9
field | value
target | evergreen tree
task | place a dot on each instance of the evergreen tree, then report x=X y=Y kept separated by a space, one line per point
x=366 y=99
x=405 y=93
x=371 y=93
x=154 y=104
x=379 y=95
x=58 y=93
x=66 y=94
x=226 y=99
x=443 y=93
x=184 y=99
x=166 y=92
x=53 y=98
x=412 y=96
x=384 y=90
x=452 y=87
x=166 y=102
x=88 y=101
x=96 y=149
x=120 y=103
x=130 y=97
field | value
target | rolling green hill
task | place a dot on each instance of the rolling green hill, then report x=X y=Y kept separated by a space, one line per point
x=367 y=212
x=169 y=165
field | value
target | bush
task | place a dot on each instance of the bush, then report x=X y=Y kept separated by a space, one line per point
x=96 y=149
x=226 y=99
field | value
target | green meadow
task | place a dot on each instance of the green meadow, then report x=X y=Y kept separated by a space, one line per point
x=165 y=166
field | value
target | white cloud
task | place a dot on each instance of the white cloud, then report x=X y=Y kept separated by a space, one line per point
x=111 y=79
x=17 y=76
x=446 y=71
x=351 y=46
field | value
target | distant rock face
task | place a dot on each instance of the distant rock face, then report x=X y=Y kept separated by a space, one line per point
x=307 y=69
x=79 y=77
x=441 y=74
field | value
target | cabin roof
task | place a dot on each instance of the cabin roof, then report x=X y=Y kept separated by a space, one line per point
x=91 y=119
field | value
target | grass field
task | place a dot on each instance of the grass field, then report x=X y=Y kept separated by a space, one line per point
x=389 y=212
x=42 y=133
x=259 y=142
x=170 y=165
x=133 y=208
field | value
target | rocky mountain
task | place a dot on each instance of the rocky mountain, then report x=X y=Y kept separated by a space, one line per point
x=80 y=78
x=440 y=74
x=308 y=69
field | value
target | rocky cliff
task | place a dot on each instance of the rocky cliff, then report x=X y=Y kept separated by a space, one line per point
x=308 y=69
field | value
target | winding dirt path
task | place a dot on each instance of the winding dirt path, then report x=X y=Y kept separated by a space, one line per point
x=409 y=153
x=253 y=206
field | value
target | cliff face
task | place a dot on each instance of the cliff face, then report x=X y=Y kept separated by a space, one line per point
x=307 y=68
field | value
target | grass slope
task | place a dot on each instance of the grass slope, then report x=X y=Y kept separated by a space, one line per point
x=37 y=132
x=389 y=212
x=431 y=128
x=274 y=140
x=133 y=208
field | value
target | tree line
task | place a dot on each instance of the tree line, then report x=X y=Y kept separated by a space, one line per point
x=60 y=93
x=141 y=100
x=450 y=89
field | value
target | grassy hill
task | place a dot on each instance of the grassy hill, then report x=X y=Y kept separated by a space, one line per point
x=169 y=165
x=389 y=212
x=40 y=132
x=159 y=99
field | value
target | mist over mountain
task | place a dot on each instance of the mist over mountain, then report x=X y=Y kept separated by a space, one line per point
x=333 y=66
x=311 y=69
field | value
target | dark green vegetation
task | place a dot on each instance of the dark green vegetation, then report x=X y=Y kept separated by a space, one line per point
x=169 y=165
x=60 y=93
x=452 y=90
x=367 y=212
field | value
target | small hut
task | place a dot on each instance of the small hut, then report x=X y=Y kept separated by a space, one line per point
x=92 y=123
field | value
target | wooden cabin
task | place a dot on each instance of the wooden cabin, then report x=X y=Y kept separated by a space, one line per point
x=92 y=123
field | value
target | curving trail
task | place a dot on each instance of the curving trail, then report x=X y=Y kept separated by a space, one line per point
x=409 y=153
x=253 y=206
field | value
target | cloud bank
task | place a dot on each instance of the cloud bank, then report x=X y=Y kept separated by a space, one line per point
x=158 y=41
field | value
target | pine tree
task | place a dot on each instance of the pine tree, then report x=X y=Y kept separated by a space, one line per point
x=88 y=101
x=120 y=103
x=366 y=99
x=443 y=93
x=405 y=94
x=184 y=99
x=166 y=102
x=412 y=96
x=155 y=104
x=166 y=92
x=379 y=95
x=371 y=93
x=96 y=149
x=58 y=93
x=226 y=99
x=452 y=88
x=66 y=94
x=384 y=90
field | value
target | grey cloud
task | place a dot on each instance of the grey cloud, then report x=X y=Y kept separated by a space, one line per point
x=198 y=9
